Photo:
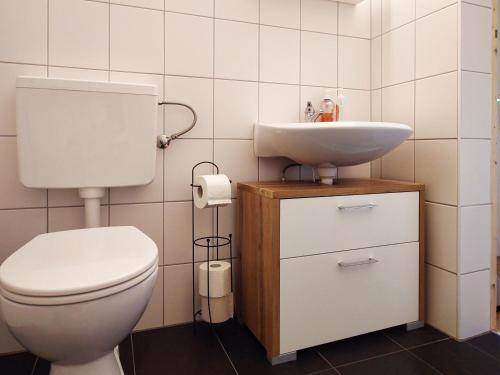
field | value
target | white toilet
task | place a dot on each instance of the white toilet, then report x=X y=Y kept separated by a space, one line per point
x=71 y=297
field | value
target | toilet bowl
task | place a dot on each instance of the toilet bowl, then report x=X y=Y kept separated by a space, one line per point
x=71 y=297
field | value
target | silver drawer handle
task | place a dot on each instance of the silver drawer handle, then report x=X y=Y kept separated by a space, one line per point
x=341 y=207
x=358 y=263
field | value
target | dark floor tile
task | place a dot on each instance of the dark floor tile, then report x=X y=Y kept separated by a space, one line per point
x=416 y=337
x=452 y=357
x=249 y=357
x=126 y=356
x=17 y=364
x=489 y=343
x=402 y=363
x=42 y=367
x=176 y=350
x=358 y=348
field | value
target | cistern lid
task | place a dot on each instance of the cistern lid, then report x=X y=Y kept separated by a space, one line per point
x=78 y=261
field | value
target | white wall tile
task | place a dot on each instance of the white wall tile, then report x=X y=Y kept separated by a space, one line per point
x=153 y=4
x=77 y=73
x=476 y=38
x=436 y=107
x=236 y=50
x=146 y=217
x=178 y=294
x=398 y=104
x=8 y=75
x=153 y=316
x=398 y=55
x=475 y=238
x=189 y=45
x=279 y=103
x=69 y=197
x=441 y=300
x=197 y=92
x=319 y=15
x=476 y=105
x=356 y=106
x=357 y=171
x=236 y=109
x=425 y=7
x=475 y=170
x=237 y=160
x=182 y=155
x=27 y=20
x=279 y=55
x=228 y=225
x=17 y=227
x=71 y=41
x=200 y=7
x=474 y=304
x=376 y=63
x=238 y=10
x=396 y=13
x=376 y=18
x=437 y=43
x=399 y=164
x=354 y=20
x=318 y=56
x=136 y=41
x=441 y=225
x=68 y=218
x=285 y=13
x=376 y=112
x=270 y=169
x=354 y=63
x=436 y=166
x=376 y=169
x=178 y=232
x=12 y=193
x=483 y=3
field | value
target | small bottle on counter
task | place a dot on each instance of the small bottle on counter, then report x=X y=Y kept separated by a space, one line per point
x=327 y=108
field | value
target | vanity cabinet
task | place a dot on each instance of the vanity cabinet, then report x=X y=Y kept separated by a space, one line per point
x=321 y=263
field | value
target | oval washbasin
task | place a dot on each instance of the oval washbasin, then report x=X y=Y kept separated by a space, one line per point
x=335 y=144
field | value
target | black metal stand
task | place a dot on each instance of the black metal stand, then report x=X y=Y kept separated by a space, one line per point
x=208 y=243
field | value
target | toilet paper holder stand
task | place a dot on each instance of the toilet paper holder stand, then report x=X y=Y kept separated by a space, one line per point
x=209 y=243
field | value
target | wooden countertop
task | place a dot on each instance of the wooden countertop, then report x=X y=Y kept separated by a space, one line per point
x=284 y=190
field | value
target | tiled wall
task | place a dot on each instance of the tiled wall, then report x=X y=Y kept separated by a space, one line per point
x=235 y=61
x=431 y=68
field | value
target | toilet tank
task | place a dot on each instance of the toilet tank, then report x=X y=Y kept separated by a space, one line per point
x=79 y=134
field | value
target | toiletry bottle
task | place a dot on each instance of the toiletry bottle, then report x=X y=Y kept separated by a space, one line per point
x=327 y=108
x=340 y=104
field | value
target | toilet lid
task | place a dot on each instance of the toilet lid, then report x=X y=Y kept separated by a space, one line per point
x=78 y=261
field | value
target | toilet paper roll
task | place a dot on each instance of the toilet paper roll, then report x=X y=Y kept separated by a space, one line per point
x=221 y=309
x=220 y=279
x=214 y=190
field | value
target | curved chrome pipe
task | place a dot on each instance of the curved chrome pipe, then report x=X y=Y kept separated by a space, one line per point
x=163 y=141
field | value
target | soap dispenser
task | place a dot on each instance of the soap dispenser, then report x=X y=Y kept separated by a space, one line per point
x=327 y=108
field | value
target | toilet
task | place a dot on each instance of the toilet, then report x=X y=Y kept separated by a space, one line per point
x=71 y=297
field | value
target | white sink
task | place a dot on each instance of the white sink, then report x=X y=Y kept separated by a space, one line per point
x=327 y=145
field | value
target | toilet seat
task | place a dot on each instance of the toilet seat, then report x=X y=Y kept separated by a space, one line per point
x=79 y=265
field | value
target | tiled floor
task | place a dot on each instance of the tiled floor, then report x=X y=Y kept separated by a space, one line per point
x=233 y=350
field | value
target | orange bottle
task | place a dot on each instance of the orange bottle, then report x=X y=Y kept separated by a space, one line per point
x=327 y=108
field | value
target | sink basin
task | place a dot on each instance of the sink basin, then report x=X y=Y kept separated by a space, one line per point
x=327 y=145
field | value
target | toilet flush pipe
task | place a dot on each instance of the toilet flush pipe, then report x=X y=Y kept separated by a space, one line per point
x=92 y=199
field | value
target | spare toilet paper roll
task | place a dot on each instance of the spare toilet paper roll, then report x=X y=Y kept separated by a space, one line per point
x=220 y=279
x=221 y=309
x=214 y=190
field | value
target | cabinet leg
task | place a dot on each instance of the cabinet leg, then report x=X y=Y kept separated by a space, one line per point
x=415 y=325
x=283 y=358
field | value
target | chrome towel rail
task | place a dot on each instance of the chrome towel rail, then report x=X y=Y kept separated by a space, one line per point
x=163 y=141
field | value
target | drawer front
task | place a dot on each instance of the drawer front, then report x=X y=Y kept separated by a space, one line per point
x=327 y=224
x=322 y=301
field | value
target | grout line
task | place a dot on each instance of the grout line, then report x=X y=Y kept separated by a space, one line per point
x=35 y=363
x=324 y=359
x=225 y=351
x=412 y=354
x=428 y=343
x=133 y=354
x=482 y=351
x=325 y=371
x=370 y=358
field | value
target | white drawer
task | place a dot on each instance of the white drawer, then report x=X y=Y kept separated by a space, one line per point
x=320 y=301
x=328 y=224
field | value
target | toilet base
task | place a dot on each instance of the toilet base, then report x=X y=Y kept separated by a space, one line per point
x=108 y=364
